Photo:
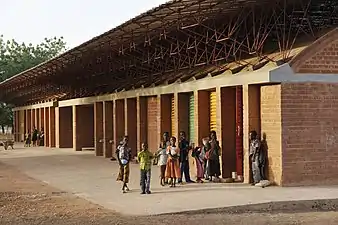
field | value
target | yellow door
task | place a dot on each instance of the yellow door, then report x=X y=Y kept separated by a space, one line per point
x=173 y=127
x=213 y=105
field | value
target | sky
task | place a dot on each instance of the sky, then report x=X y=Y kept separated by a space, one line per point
x=31 y=21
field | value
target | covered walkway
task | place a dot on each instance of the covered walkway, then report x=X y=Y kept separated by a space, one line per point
x=93 y=178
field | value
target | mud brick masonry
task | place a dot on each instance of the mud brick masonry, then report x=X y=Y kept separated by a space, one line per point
x=289 y=96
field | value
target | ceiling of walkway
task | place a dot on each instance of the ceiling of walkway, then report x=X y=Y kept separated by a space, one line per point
x=178 y=40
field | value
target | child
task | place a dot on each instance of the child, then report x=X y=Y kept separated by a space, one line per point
x=199 y=159
x=28 y=140
x=145 y=159
x=162 y=163
x=123 y=154
x=173 y=166
x=205 y=156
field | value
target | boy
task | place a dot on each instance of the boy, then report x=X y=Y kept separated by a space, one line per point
x=123 y=154
x=145 y=159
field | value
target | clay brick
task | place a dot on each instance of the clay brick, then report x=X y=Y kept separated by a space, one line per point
x=131 y=126
x=319 y=57
x=309 y=133
x=153 y=119
x=271 y=129
x=108 y=132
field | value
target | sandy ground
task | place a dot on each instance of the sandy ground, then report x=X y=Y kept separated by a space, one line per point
x=24 y=200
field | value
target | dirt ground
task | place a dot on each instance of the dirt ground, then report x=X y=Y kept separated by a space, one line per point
x=24 y=200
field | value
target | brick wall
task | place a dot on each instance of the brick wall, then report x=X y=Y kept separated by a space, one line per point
x=310 y=133
x=131 y=128
x=271 y=129
x=152 y=109
x=320 y=57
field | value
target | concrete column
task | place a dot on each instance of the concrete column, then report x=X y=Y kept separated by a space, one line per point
x=76 y=145
x=57 y=126
x=53 y=128
x=46 y=125
x=251 y=121
x=141 y=111
x=24 y=125
x=131 y=124
x=17 y=126
x=119 y=121
x=226 y=124
x=22 y=121
x=108 y=135
x=98 y=128
x=15 y=123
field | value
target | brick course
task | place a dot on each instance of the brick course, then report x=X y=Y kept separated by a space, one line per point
x=320 y=57
x=153 y=120
x=271 y=129
x=310 y=133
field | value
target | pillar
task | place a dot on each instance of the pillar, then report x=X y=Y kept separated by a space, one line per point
x=251 y=121
x=153 y=119
x=52 y=127
x=24 y=116
x=46 y=125
x=108 y=135
x=141 y=111
x=22 y=121
x=17 y=126
x=57 y=126
x=98 y=128
x=131 y=127
x=119 y=121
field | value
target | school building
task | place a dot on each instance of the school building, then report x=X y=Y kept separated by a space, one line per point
x=197 y=66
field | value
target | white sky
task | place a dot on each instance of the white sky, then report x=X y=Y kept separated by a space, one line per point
x=77 y=21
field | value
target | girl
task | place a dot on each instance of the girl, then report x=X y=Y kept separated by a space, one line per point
x=173 y=165
x=28 y=140
x=199 y=155
x=213 y=157
x=163 y=157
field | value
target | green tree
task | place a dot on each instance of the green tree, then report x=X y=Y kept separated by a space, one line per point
x=6 y=116
x=16 y=58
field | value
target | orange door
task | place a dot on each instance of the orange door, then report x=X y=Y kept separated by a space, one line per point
x=239 y=130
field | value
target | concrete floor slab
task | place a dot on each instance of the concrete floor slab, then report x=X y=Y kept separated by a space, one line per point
x=93 y=178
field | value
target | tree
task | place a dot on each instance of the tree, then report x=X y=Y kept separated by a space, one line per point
x=16 y=58
x=6 y=116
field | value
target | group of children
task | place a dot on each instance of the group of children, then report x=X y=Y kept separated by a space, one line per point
x=169 y=161
x=35 y=138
